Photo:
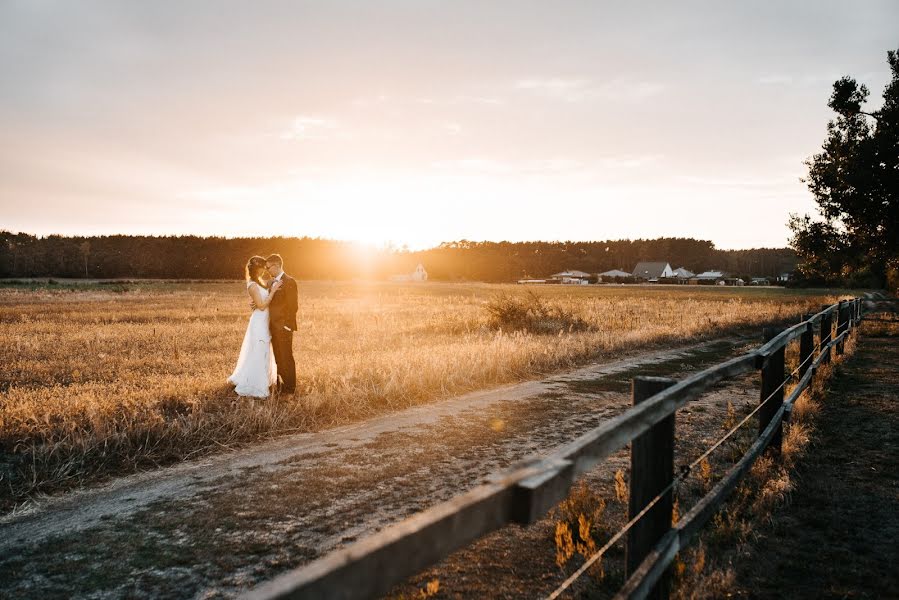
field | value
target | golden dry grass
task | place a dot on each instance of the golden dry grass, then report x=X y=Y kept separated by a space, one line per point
x=95 y=381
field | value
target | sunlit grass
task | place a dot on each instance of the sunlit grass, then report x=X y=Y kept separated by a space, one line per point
x=97 y=381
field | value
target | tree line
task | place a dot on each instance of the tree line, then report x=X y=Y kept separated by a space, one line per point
x=193 y=257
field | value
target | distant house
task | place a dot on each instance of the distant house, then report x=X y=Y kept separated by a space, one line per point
x=572 y=277
x=708 y=278
x=715 y=278
x=615 y=276
x=616 y=273
x=418 y=275
x=652 y=271
x=682 y=273
x=710 y=275
x=572 y=274
x=761 y=281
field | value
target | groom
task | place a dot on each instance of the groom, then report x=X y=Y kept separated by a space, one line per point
x=282 y=323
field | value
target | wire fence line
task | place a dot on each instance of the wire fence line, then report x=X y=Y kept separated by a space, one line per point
x=371 y=566
x=651 y=571
x=683 y=475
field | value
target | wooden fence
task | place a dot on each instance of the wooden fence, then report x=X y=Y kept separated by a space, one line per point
x=372 y=566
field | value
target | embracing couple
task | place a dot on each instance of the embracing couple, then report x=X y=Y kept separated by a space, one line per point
x=266 y=356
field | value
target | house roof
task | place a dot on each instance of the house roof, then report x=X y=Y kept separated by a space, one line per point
x=650 y=270
x=616 y=273
x=682 y=272
x=710 y=275
x=571 y=274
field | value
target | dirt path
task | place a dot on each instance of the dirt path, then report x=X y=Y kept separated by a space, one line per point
x=216 y=527
x=839 y=536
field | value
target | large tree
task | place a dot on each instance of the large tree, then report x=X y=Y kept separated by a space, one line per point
x=855 y=182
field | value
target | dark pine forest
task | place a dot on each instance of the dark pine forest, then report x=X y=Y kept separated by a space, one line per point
x=191 y=257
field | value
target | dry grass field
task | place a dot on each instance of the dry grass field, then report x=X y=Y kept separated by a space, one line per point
x=100 y=380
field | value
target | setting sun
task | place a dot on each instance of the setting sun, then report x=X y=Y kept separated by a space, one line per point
x=397 y=134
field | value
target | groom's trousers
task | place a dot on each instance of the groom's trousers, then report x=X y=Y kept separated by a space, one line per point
x=282 y=345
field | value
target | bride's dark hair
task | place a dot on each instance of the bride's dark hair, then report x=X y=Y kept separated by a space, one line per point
x=255 y=267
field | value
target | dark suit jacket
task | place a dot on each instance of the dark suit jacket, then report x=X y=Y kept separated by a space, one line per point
x=282 y=310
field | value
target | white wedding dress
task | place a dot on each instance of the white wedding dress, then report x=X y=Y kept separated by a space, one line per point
x=255 y=370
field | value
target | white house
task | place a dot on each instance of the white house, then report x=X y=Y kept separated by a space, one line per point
x=653 y=271
x=716 y=278
x=571 y=277
x=616 y=273
x=709 y=276
x=572 y=274
x=418 y=275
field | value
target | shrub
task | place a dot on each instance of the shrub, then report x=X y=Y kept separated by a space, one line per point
x=532 y=314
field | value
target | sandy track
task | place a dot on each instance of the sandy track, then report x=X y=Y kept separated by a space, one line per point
x=214 y=527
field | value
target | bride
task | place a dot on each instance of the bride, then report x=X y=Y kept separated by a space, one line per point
x=256 y=370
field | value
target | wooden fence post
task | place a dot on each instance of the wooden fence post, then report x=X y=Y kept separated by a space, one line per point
x=842 y=323
x=826 y=333
x=652 y=469
x=772 y=378
x=806 y=347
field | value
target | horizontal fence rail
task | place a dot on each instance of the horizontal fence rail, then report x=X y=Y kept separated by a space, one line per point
x=372 y=566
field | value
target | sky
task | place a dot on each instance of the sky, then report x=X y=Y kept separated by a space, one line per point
x=421 y=121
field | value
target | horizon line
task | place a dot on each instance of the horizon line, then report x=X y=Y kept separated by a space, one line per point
x=389 y=245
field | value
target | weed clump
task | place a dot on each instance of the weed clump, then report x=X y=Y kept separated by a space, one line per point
x=532 y=314
x=579 y=522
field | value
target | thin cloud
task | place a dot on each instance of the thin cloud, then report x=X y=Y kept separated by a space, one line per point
x=496 y=167
x=454 y=100
x=452 y=128
x=629 y=161
x=569 y=90
x=555 y=165
x=486 y=100
x=804 y=80
x=629 y=90
x=474 y=165
x=743 y=182
x=309 y=128
x=775 y=80
x=579 y=90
